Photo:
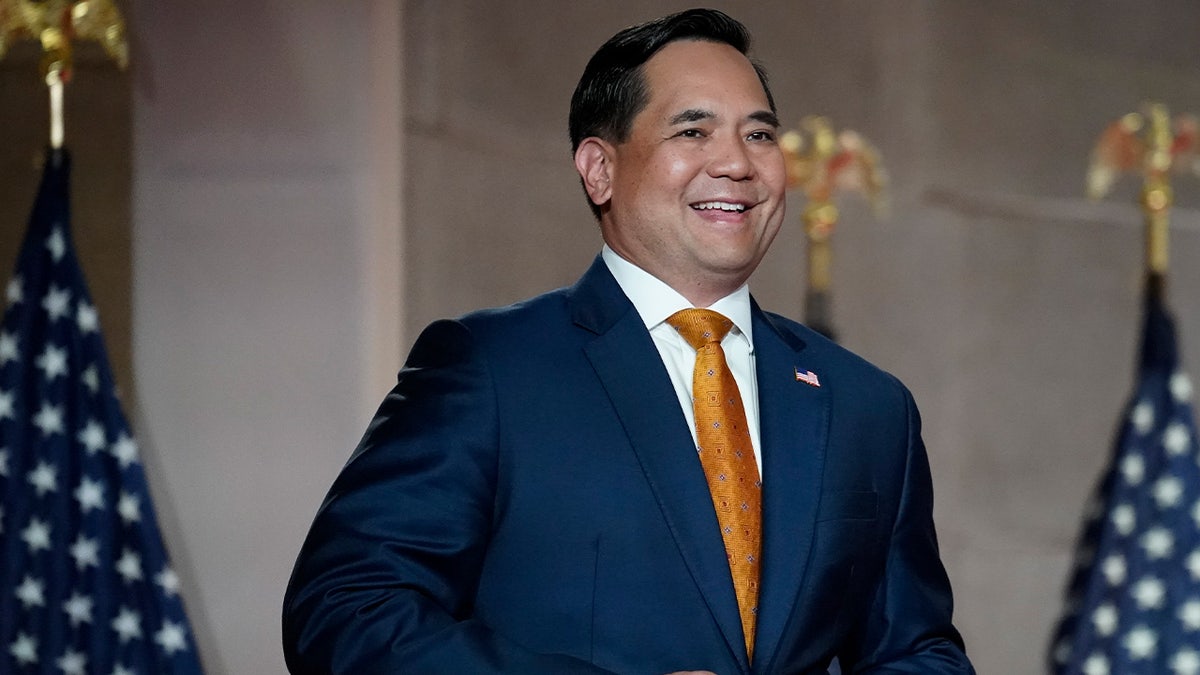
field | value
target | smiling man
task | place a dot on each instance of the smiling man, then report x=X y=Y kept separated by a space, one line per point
x=645 y=472
x=693 y=194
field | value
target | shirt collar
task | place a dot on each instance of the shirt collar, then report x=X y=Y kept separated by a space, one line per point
x=654 y=300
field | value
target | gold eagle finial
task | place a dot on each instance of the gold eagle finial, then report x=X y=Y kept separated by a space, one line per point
x=58 y=24
x=1154 y=145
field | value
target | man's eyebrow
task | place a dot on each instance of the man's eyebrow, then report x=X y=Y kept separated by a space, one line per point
x=698 y=114
x=691 y=115
x=766 y=117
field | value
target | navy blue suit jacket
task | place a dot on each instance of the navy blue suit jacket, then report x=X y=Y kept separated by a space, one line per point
x=528 y=500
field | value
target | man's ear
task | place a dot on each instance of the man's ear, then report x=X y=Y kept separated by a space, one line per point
x=594 y=162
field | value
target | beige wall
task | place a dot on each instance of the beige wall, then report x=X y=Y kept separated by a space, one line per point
x=267 y=304
x=280 y=272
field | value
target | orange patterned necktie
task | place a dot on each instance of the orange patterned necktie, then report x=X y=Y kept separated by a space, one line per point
x=723 y=440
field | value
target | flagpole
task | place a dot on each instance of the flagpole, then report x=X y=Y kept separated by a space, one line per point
x=820 y=219
x=823 y=162
x=1156 y=200
x=55 y=83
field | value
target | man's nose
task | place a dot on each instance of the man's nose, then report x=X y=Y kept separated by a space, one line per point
x=732 y=160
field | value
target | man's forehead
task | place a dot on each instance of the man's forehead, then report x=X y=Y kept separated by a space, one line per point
x=697 y=59
x=696 y=77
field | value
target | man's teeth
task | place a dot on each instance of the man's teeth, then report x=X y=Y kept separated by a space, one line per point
x=723 y=206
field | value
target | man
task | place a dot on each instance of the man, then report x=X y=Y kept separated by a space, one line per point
x=540 y=493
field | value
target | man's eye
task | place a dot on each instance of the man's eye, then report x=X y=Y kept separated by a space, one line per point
x=691 y=133
x=762 y=136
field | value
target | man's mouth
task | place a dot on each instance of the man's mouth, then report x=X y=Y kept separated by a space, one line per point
x=732 y=207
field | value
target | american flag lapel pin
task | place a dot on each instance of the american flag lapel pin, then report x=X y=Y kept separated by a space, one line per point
x=808 y=377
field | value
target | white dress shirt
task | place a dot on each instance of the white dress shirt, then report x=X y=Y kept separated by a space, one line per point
x=654 y=301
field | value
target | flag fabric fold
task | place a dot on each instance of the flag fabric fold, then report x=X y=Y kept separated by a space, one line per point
x=1133 y=601
x=85 y=583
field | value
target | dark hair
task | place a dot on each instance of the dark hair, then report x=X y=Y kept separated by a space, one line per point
x=612 y=89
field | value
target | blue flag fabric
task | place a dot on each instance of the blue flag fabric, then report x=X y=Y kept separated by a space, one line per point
x=85 y=584
x=1133 y=603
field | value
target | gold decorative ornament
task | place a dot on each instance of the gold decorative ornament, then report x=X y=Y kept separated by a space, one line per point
x=1154 y=145
x=823 y=163
x=58 y=25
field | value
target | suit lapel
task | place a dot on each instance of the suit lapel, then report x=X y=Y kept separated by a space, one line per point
x=794 y=419
x=631 y=371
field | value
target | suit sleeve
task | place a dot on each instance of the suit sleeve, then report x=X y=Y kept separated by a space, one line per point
x=386 y=579
x=909 y=628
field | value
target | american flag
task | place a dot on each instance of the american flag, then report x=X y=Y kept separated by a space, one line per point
x=1133 y=604
x=85 y=584
x=808 y=377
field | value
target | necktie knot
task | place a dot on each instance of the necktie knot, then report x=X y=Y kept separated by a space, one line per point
x=700 y=326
